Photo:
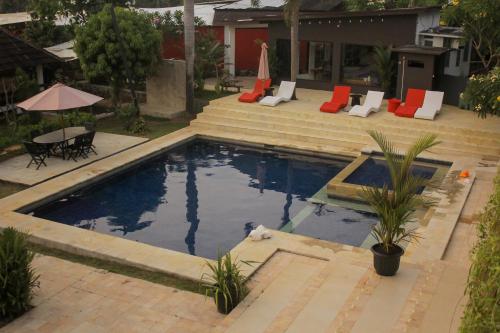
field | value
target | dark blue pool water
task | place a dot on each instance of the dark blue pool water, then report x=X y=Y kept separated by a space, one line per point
x=205 y=197
x=374 y=172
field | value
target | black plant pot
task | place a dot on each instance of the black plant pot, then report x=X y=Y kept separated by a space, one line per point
x=386 y=264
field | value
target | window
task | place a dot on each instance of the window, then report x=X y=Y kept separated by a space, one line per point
x=357 y=65
x=416 y=64
x=315 y=61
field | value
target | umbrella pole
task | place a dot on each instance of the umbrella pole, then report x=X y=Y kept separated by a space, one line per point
x=62 y=125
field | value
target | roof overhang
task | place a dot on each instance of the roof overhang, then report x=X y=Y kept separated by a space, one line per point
x=15 y=52
x=425 y=50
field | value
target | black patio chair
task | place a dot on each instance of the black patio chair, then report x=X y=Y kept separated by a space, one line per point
x=88 y=146
x=37 y=152
x=75 y=149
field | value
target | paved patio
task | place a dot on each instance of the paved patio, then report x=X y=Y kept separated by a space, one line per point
x=76 y=298
x=14 y=169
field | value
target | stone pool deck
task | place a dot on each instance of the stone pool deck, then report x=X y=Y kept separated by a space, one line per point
x=14 y=169
x=300 y=280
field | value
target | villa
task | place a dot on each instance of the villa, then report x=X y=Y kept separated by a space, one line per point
x=135 y=230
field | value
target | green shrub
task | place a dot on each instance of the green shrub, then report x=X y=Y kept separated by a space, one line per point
x=77 y=118
x=483 y=93
x=7 y=141
x=17 y=277
x=482 y=313
x=127 y=114
x=139 y=126
x=225 y=284
x=26 y=132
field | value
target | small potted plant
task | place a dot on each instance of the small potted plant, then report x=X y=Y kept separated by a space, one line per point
x=225 y=283
x=395 y=203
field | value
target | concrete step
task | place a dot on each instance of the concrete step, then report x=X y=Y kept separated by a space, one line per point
x=323 y=148
x=274 y=133
x=318 y=136
x=298 y=113
x=353 y=134
x=340 y=123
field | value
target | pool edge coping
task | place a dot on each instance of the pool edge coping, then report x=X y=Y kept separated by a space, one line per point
x=94 y=172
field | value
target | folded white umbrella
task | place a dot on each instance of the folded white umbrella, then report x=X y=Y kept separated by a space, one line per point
x=372 y=103
x=285 y=93
x=433 y=101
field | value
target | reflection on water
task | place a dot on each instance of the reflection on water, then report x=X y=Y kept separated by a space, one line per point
x=205 y=197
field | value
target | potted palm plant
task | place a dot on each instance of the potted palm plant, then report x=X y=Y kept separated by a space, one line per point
x=225 y=283
x=395 y=203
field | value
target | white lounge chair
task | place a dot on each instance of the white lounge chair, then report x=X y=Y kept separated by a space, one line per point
x=372 y=103
x=433 y=101
x=285 y=93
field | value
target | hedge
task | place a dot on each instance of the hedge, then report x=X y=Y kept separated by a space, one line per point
x=482 y=313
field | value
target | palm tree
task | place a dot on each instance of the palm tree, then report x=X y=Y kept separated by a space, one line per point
x=384 y=66
x=189 y=53
x=291 y=10
x=395 y=203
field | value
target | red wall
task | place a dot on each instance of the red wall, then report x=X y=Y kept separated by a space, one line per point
x=247 y=51
x=173 y=46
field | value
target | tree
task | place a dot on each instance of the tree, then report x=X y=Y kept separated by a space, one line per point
x=9 y=6
x=79 y=11
x=291 y=11
x=209 y=56
x=189 y=53
x=388 y=4
x=396 y=202
x=384 y=66
x=480 y=21
x=42 y=30
x=102 y=55
x=483 y=93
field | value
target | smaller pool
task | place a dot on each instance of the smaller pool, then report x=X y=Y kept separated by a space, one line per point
x=374 y=172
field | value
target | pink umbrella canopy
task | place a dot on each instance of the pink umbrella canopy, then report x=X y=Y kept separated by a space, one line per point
x=57 y=98
x=263 y=64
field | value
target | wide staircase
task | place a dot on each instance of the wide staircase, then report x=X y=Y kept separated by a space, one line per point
x=300 y=124
x=296 y=294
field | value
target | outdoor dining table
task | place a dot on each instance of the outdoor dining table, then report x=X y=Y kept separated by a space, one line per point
x=60 y=137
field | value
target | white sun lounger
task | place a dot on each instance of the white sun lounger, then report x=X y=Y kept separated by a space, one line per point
x=285 y=93
x=433 y=101
x=372 y=103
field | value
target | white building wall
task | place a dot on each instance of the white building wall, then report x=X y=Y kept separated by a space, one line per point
x=425 y=21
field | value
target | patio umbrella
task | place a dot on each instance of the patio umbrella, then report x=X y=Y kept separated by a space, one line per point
x=59 y=97
x=263 y=64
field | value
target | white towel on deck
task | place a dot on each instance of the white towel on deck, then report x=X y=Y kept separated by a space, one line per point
x=260 y=233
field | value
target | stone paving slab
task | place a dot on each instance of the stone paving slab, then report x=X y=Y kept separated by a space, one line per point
x=76 y=298
x=14 y=169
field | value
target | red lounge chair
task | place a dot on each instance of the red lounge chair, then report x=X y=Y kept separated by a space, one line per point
x=414 y=100
x=339 y=100
x=258 y=91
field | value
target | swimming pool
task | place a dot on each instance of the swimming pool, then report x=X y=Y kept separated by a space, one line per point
x=204 y=197
x=374 y=172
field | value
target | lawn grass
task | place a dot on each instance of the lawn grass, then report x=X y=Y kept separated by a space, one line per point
x=156 y=127
x=113 y=267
